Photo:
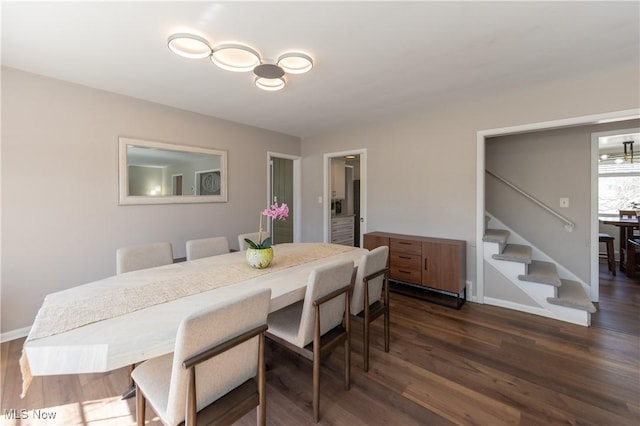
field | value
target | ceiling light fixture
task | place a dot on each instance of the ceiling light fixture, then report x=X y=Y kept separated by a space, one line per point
x=270 y=84
x=627 y=156
x=235 y=57
x=241 y=58
x=269 y=77
x=189 y=46
x=295 y=62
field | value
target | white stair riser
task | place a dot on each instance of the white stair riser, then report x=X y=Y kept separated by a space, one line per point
x=491 y=249
x=537 y=291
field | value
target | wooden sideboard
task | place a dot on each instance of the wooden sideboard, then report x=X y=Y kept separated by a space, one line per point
x=427 y=263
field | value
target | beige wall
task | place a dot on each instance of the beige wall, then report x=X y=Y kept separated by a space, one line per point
x=61 y=223
x=421 y=169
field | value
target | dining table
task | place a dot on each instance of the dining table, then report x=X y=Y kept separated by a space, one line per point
x=128 y=318
x=626 y=226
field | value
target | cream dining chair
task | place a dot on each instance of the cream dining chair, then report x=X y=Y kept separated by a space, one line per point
x=134 y=258
x=319 y=323
x=216 y=373
x=370 y=297
x=205 y=247
x=143 y=256
x=253 y=236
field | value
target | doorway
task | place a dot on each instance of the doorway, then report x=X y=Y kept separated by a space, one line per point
x=477 y=294
x=284 y=187
x=350 y=199
x=619 y=173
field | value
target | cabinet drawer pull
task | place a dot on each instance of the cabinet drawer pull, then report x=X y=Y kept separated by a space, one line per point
x=425 y=263
x=404 y=272
x=404 y=243
x=404 y=257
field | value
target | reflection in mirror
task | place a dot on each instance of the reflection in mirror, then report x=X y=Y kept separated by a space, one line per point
x=162 y=173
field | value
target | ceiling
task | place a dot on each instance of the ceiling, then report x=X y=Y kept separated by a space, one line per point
x=373 y=60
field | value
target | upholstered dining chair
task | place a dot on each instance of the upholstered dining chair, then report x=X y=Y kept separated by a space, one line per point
x=313 y=327
x=370 y=297
x=144 y=256
x=205 y=247
x=216 y=373
x=253 y=236
x=134 y=258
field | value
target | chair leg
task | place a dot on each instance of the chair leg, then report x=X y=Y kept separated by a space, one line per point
x=610 y=258
x=262 y=406
x=365 y=343
x=386 y=315
x=347 y=345
x=386 y=330
x=140 y=407
x=347 y=364
x=316 y=388
x=316 y=366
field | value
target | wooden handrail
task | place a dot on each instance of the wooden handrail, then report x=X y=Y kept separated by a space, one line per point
x=569 y=226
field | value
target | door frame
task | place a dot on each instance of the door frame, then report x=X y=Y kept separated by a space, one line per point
x=595 y=223
x=297 y=191
x=326 y=205
x=481 y=135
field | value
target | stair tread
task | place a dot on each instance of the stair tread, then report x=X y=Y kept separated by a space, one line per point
x=572 y=295
x=515 y=253
x=542 y=272
x=496 y=236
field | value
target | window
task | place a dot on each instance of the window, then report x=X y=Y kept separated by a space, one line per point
x=618 y=183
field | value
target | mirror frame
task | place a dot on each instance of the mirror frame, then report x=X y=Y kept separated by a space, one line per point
x=123 y=174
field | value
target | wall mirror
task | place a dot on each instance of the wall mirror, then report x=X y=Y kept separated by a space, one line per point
x=163 y=173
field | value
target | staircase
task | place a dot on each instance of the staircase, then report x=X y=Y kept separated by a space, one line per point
x=559 y=298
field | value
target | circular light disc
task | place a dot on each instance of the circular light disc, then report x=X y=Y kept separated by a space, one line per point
x=295 y=62
x=235 y=57
x=268 y=71
x=189 y=46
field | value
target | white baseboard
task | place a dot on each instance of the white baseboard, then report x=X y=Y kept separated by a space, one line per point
x=535 y=310
x=14 y=334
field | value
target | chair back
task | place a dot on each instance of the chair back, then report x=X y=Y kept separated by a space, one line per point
x=143 y=256
x=206 y=247
x=628 y=214
x=253 y=236
x=370 y=263
x=322 y=281
x=224 y=372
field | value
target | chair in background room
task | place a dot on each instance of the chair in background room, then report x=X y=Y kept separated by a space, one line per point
x=370 y=287
x=216 y=373
x=253 y=237
x=626 y=233
x=143 y=256
x=205 y=247
x=313 y=327
x=609 y=253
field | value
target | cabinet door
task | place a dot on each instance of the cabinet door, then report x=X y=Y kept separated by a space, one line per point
x=338 y=180
x=442 y=266
x=372 y=241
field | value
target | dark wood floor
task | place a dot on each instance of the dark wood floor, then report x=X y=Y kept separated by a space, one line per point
x=481 y=365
